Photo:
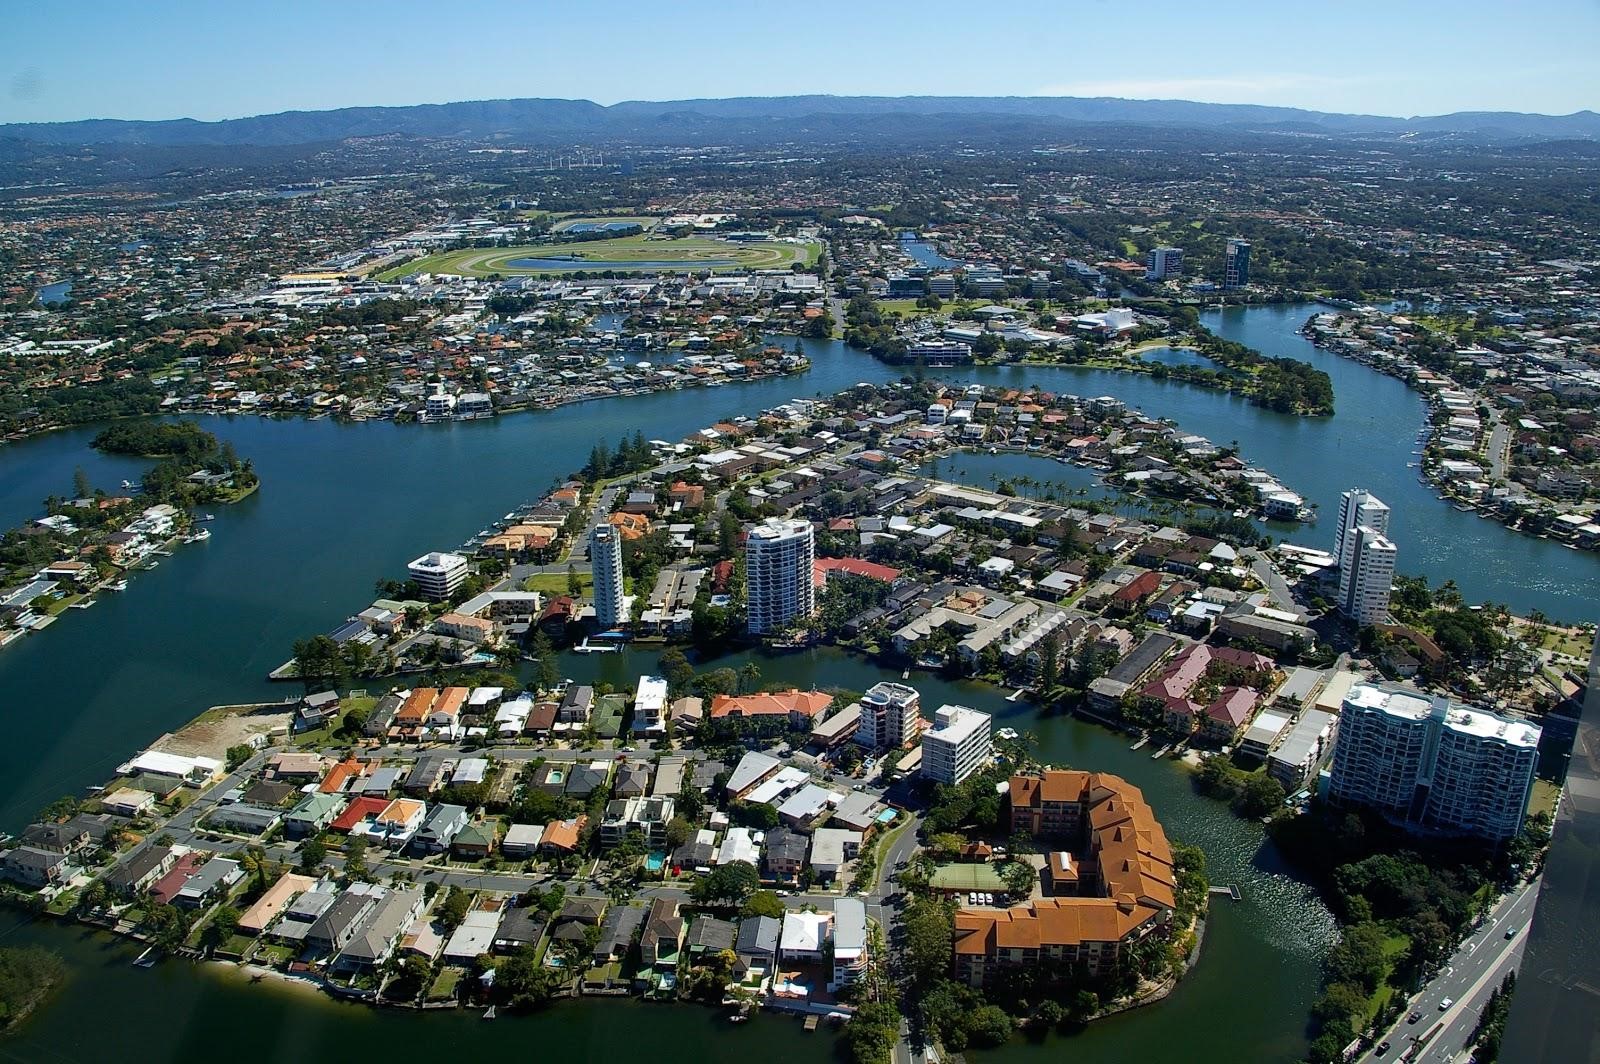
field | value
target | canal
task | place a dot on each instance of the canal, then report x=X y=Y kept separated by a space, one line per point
x=343 y=505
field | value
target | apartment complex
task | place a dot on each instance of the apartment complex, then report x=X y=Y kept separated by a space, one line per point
x=889 y=716
x=438 y=575
x=1113 y=886
x=778 y=580
x=1366 y=556
x=605 y=558
x=1163 y=263
x=1431 y=764
x=1236 y=264
x=957 y=746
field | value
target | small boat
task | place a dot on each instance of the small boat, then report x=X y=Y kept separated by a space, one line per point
x=207 y=517
x=120 y=585
x=147 y=959
x=490 y=1014
x=587 y=647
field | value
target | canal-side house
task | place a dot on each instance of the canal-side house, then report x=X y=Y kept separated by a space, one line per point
x=381 y=931
x=141 y=869
x=661 y=941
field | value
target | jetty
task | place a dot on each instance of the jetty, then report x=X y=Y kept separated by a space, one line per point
x=1230 y=891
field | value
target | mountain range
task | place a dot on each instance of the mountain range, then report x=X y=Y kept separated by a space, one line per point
x=540 y=120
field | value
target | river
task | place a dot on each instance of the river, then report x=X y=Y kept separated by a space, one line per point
x=342 y=505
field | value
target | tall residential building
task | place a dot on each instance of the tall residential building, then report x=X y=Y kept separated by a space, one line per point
x=778 y=582
x=605 y=558
x=889 y=713
x=1236 y=264
x=1431 y=764
x=1365 y=584
x=1162 y=263
x=1357 y=507
x=438 y=574
x=958 y=745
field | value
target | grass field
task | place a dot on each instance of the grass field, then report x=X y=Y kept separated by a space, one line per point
x=623 y=254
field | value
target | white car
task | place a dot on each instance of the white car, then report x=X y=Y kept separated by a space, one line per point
x=1446 y=1003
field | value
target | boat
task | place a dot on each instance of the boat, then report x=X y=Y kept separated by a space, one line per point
x=206 y=517
x=120 y=585
x=82 y=604
x=147 y=959
x=587 y=647
x=490 y=1014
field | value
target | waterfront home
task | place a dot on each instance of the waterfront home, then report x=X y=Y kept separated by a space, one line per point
x=796 y=709
x=141 y=869
x=460 y=626
x=383 y=715
x=339 y=924
x=709 y=936
x=34 y=867
x=380 y=932
x=661 y=941
x=315 y=710
x=210 y=883
x=273 y=901
x=850 y=952
x=175 y=768
x=128 y=802
x=519 y=926
x=756 y=947
x=302 y=914
x=617 y=932
x=804 y=938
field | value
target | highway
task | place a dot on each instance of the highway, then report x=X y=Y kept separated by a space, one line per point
x=1467 y=980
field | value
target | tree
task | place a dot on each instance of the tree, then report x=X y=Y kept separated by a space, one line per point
x=355 y=858
x=1262 y=796
x=678 y=830
x=928 y=940
x=574 y=582
x=546 y=670
x=763 y=903
x=239 y=754
x=312 y=852
x=81 y=488
x=989 y=1026
x=224 y=923
x=675 y=669
x=1020 y=877
x=453 y=909
x=728 y=884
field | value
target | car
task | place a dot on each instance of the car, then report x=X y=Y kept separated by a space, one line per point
x=1446 y=1003
x=1511 y=932
x=1414 y=1017
x=1383 y=1047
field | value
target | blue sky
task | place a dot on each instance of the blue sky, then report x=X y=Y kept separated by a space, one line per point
x=226 y=58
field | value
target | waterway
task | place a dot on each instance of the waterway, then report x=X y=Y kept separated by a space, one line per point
x=925 y=253
x=59 y=292
x=343 y=505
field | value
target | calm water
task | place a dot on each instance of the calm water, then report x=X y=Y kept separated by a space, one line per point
x=925 y=253
x=59 y=292
x=344 y=505
x=1177 y=356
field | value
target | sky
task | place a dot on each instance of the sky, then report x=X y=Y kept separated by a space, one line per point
x=157 y=59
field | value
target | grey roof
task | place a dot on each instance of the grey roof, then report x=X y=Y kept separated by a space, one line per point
x=758 y=934
x=618 y=928
x=752 y=768
x=711 y=934
x=442 y=823
x=389 y=918
x=138 y=866
x=849 y=924
x=522 y=925
x=781 y=843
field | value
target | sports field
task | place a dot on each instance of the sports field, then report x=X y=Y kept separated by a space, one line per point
x=631 y=254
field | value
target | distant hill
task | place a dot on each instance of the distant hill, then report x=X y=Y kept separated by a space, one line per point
x=535 y=120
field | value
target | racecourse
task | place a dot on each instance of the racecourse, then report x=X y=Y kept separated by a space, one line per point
x=632 y=254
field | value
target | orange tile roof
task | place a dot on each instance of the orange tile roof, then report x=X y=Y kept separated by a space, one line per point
x=782 y=703
x=451 y=699
x=417 y=704
x=338 y=775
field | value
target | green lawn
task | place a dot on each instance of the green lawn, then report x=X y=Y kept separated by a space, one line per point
x=1544 y=797
x=687 y=253
x=556 y=583
x=444 y=985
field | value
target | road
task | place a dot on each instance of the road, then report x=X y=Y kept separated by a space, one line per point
x=1271 y=579
x=1472 y=974
x=1499 y=447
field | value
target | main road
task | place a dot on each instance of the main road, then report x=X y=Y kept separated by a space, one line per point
x=1478 y=966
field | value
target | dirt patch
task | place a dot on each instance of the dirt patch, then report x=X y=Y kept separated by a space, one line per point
x=220 y=727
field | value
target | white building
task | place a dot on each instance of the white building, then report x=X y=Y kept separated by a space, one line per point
x=1162 y=263
x=889 y=713
x=650 y=706
x=1365 y=585
x=1357 y=507
x=958 y=745
x=778 y=561
x=1431 y=764
x=605 y=558
x=438 y=574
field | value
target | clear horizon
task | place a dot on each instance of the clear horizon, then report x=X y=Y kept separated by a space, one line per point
x=173 y=59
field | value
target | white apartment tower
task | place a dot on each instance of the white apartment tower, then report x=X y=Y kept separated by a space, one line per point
x=958 y=745
x=605 y=558
x=1431 y=764
x=1162 y=263
x=438 y=574
x=1366 y=556
x=1365 y=585
x=778 y=560
x=889 y=713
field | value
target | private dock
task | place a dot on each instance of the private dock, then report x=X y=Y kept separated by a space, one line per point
x=1232 y=892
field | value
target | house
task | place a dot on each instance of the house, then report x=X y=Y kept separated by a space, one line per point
x=57 y=838
x=521 y=841
x=662 y=938
x=315 y=710
x=273 y=901
x=141 y=869
x=850 y=951
x=784 y=855
x=244 y=819
x=314 y=813
x=709 y=936
x=34 y=867
x=473 y=937
x=439 y=830
x=521 y=925
x=756 y=947
x=648 y=817
x=617 y=932
x=561 y=836
x=831 y=848
x=797 y=709
x=210 y=883
x=633 y=781
x=804 y=938
x=476 y=841
x=381 y=931
x=295 y=767
x=128 y=802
